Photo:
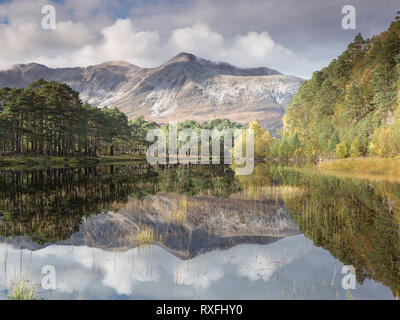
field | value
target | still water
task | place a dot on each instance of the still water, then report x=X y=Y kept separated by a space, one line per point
x=199 y=232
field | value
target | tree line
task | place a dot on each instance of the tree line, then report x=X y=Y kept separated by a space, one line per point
x=48 y=119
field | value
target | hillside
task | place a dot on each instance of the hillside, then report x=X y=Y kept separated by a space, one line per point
x=351 y=107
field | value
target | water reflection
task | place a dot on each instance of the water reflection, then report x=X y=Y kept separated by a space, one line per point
x=211 y=234
x=291 y=268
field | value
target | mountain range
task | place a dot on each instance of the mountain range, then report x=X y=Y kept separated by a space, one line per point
x=185 y=87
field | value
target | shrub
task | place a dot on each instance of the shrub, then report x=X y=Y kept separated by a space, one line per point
x=356 y=148
x=342 y=150
x=386 y=140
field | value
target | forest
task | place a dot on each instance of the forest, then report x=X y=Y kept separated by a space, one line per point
x=49 y=119
x=351 y=108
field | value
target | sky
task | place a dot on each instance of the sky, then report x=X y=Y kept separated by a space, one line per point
x=295 y=37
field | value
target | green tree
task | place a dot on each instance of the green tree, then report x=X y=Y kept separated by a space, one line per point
x=385 y=75
x=342 y=150
x=356 y=148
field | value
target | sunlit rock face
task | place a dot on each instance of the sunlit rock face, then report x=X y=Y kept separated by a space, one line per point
x=185 y=87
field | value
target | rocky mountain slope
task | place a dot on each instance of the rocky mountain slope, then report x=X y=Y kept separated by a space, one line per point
x=185 y=87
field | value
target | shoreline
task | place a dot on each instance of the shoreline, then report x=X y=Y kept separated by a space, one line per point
x=363 y=167
x=43 y=162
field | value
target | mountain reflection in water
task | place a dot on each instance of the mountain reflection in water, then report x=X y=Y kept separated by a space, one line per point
x=199 y=232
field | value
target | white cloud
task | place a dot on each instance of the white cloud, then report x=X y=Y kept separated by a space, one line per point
x=249 y=50
x=106 y=273
x=252 y=49
x=26 y=42
x=120 y=41
x=123 y=41
x=259 y=46
x=199 y=39
x=85 y=36
x=280 y=34
x=256 y=271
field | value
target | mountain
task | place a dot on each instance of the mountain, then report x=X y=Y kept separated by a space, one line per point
x=185 y=87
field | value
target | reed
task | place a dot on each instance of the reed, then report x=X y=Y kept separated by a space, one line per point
x=275 y=192
x=145 y=235
x=180 y=215
x=22 y=290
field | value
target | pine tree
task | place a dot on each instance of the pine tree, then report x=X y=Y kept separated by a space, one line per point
x=385 y=75
x=334 y=141
x=48 y=118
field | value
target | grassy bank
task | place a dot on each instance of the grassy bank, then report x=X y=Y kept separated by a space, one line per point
x=58 y=162
x=368 y=168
